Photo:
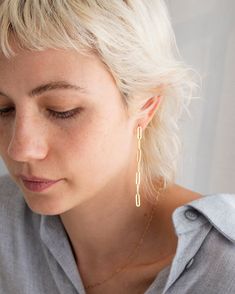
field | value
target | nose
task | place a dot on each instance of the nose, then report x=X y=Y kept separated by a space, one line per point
x=28 y=140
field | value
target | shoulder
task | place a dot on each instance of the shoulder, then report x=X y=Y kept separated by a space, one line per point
x=15 y=214
x=21 y=249
x=206 y=251
x=10 y=194
x=19 y=226
x=219 y=210
x=212 y=218
x=205 y=263
x=7 y=185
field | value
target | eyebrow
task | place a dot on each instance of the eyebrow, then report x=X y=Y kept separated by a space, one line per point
x=55 y=85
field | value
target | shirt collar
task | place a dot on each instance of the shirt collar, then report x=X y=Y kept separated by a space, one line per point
x=193 y=221
x=218 y=209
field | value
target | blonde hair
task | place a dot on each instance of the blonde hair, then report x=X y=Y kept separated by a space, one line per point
x=135 y=41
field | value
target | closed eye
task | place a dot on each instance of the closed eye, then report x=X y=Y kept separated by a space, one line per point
x=66 y=114
x=6 y=112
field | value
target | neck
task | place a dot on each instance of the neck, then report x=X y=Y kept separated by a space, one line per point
x=104 y=230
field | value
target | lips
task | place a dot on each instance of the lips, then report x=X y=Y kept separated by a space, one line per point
x=38 y=186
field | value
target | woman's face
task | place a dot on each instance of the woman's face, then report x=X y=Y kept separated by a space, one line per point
x=87 y=151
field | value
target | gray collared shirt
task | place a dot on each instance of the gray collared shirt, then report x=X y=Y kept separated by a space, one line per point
x=36 y=256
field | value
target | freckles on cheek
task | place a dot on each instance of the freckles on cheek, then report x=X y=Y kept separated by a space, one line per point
x=76 y=140
x=85 y=138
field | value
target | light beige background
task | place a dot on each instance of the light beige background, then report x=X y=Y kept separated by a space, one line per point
x=205 y=31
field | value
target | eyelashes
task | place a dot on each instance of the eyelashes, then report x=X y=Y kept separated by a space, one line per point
x=66 y=114
x=6 y=113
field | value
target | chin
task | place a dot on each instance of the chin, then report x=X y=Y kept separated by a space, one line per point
x=44 y=206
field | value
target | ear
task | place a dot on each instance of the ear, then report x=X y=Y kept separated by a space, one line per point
x=152 y=105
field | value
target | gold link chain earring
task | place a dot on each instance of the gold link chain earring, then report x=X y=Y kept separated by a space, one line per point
x=139 y=137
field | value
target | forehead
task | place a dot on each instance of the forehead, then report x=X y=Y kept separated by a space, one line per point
x=39 y=67
x=49 y=59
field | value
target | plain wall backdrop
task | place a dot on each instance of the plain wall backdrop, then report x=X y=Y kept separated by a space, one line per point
x=205 y=33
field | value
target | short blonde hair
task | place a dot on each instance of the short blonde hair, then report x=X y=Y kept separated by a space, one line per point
x=135 y=41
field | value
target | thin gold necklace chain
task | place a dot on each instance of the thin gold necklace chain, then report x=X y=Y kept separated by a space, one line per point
x=133 y=252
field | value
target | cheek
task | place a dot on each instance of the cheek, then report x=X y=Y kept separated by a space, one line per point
x=94 y=147
x=91 y=151
x=84 y=145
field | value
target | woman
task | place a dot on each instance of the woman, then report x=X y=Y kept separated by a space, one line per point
x=90 y=97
